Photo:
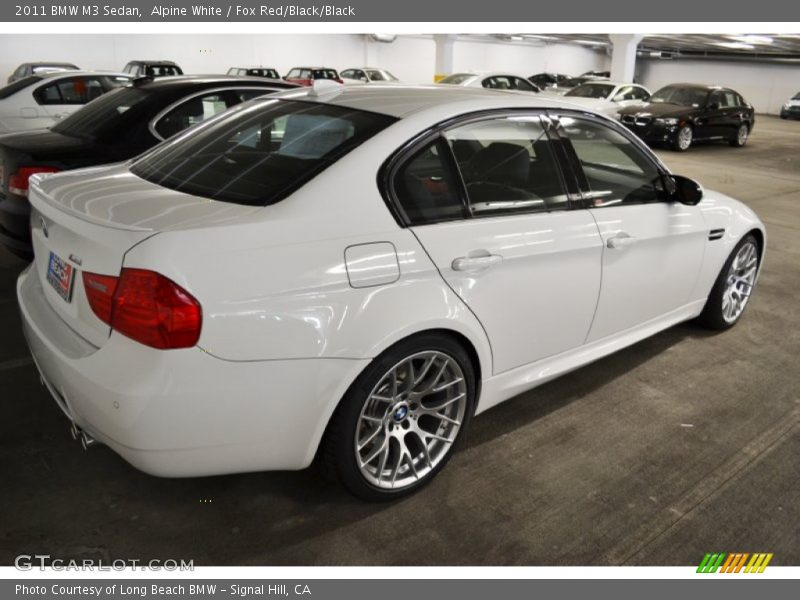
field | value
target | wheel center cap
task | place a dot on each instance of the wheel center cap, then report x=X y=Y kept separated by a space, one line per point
x=400 y=413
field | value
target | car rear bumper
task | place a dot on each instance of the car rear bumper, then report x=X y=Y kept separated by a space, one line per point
x=182 y=413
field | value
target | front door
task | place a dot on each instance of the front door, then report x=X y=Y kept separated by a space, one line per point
x=652 y=249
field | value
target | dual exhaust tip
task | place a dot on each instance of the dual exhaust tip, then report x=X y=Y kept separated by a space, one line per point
x=86 y=440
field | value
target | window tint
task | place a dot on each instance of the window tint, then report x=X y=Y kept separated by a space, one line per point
x=427 y=189
x=325 y=74
x=507 y=166
x=499 y=82
x=191 y=112
x=378 y=75
x=614 y=170
x=719 y=99
x=523 y=85
x=591 y=90
x=260 y=152
x=683 y=96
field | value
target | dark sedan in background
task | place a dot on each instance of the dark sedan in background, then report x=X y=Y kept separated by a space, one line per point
x=681 y=114
x=115 y=127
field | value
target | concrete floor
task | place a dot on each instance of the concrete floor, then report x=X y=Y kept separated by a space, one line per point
x=686 y=443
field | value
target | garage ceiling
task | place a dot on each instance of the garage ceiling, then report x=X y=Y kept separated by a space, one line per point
x=752 y=46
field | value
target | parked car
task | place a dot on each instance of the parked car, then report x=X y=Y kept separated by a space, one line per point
x=367 y=75
x=791 y=109
x=608 y=97
x=683 y=113
x=40 y=100
x=565 y=85
x=267 y=72
x=491 y=81
x=600 y=74
x=546 y=80
x=37 y=68
x=152 y=68
x=306 y=76
x=219 y=305
x=118 y=126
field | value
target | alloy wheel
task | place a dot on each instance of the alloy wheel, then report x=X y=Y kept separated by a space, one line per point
x=741 y=135
x=740 y=281
x=685 y=138
x=410 y=420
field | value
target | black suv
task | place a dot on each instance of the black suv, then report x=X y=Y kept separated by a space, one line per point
x=152 y=68
x=682 y=113
x=117 y=126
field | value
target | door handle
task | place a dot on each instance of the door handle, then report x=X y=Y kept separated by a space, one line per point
x=474 y=264
x=621 y=241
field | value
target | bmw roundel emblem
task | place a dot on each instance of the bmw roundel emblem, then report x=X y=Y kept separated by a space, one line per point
x=401 y=413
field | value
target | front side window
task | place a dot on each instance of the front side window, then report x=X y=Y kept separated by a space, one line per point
x=457 y=78
x=612 y=170
x=325 y=74
x=523 y=85
x=682 y=96
x=508 y=166
x=499 y=82
x=378 y=75
x=260 y=152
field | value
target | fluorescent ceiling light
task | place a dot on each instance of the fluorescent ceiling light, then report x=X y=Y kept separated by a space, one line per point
x=752 y=39
x=735 y=45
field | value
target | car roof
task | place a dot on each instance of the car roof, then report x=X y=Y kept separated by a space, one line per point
x=179 y=81
x=60 y=74
x=331 y=68
x=47 y=63
x=252 y=67
x=698 y=86
x=153 y=62
x=403 y=100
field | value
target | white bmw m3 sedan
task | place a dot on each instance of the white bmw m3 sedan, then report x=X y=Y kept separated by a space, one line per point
x=352 y=273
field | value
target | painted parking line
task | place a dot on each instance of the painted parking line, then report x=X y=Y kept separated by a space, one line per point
x=15 y=363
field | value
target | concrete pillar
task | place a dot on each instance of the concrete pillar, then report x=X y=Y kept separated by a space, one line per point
x=371 y=52
x=623 y=57
x=444 y=55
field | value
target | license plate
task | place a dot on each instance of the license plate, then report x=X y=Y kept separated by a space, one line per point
x=60 y=275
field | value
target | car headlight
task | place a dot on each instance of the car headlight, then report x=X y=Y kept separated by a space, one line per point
x=786 y=106
x=669 y=121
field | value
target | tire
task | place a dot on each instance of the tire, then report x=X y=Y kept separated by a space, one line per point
x=740 y=139
x=784 y=115
x=683 y=139
x=374 y=442
x=719 y=313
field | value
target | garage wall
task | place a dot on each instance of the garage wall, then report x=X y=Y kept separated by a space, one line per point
x=527 y=59
x=765 y=85
x=195 y=53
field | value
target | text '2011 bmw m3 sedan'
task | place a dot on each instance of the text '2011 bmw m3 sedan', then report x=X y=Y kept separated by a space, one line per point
x=354 y=272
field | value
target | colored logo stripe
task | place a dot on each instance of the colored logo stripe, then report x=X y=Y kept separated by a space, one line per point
x=734 y=562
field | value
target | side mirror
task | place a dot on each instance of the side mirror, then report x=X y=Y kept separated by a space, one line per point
x=686 y=191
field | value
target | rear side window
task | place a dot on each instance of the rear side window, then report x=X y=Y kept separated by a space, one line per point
x=325 y=74
x=457 y=78
x=75 y=90
x=427 y=188
x=261 y=152
x=191 y=112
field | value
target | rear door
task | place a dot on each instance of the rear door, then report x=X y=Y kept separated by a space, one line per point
x=652 y=250
x=486 y=200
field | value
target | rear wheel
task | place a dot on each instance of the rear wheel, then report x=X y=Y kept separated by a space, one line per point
x=683 y=140
x=402 y=419
x=734 y=286
x=741 y=136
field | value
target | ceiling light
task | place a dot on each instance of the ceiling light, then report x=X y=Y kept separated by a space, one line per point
x=735 y=45
x=752 y=39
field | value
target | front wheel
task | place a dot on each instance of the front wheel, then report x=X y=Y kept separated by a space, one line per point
x=741 y=136
x=402 y=419
x=733 y=287
x=683 y=140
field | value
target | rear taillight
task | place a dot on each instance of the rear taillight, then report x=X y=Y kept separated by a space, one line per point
x=18 y=181
x=145 y=306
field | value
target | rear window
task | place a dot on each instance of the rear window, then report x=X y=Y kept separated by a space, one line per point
x=457 y=78
x=260 y=152
x=104 y=116
x=19 y=84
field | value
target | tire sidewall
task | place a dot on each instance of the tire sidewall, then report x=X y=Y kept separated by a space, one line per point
x=712 y=311
x=677 y=144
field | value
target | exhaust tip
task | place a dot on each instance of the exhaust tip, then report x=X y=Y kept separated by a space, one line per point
x=79 y=434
